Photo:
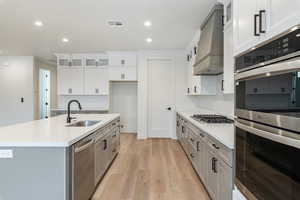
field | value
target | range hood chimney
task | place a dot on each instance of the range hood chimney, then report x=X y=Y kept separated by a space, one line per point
x=209 y=58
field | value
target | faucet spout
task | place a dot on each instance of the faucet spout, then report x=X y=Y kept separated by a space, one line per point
x=69 y=118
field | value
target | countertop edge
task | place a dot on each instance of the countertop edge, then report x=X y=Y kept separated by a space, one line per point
x=57 y=144
x=197 y=124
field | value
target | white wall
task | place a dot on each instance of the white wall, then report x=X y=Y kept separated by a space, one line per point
x=123 y=100
x=16 y=81
x=92 y=102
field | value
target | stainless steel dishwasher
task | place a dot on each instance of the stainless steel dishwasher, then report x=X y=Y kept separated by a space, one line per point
x=84 y=168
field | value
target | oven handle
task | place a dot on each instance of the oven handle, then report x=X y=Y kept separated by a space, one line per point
x=276 y=137
x=273 y=69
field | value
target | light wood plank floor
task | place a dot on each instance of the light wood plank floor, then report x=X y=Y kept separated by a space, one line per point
x=153 y=169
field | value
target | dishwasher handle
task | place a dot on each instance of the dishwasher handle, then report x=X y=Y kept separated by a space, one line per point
x=84 y=146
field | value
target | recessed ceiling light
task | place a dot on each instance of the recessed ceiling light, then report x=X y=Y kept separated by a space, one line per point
x=38 y=23
x=147 y=23
x=268 y=74
x=65 y=40
x=294 y=28
x=298 y=35
x=149 y=40
x=253 y=48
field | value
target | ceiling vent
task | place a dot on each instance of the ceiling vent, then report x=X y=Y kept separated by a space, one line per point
x=115 y=23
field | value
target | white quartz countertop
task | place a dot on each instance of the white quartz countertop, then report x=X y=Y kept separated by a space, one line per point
x=224 y=133
x=51 y=132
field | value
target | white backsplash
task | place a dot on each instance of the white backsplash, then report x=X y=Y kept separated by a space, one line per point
x=87 y=102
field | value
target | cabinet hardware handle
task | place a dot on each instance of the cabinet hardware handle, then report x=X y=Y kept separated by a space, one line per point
x=188 y=90
x=214 y=164
x=122 y=76
x=198 y=143
x=84 y=146
x=195 y=89
x=255 y=25
x=192 y=156
x=96 y=90
x=261 y=12
x=182 y=129
x=70 y=90
x=201 y=135
x=192 y=140
x=222 y=85
x=216 y=147
x=105 y=144
x=123 y=62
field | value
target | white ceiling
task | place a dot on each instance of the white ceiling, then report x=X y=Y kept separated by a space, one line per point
x=84 y=22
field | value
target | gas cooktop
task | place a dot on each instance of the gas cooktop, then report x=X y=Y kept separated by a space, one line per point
x=212 y=119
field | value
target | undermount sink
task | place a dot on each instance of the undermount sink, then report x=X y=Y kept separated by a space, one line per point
x=84 y=123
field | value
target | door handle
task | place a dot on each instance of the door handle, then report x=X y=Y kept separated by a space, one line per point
x=255 y=25
x=261 y=12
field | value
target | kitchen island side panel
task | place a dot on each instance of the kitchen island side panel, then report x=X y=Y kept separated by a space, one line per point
x=34 y=173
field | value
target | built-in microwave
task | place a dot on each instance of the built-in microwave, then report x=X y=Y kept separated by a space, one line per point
x=267 y=125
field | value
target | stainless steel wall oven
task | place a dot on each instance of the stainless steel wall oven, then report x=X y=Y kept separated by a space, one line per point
x=268 y=119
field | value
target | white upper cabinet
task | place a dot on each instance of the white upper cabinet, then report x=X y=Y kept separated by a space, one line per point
x=282 y=15
x=199 y=85
x=123 y=67
x=122 y=59
x=70 y=81
x=96 y=61
x=96 y=81
x=244 y=24
x=257 y=21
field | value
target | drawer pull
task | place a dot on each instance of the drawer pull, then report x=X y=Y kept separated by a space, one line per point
x=198 y=143
x=192 y=140
x=192 y=155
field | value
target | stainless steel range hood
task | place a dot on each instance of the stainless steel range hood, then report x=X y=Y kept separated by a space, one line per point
x=209 y=58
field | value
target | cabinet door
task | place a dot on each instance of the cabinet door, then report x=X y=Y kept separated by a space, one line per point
x=130 y=73
x=225 y=179
x=228 y=76
x=70 y=81
x=122 y=60
x=96 y=81
x=282 y=15
x=115 y=73
x=244 y=11
x=211 y=177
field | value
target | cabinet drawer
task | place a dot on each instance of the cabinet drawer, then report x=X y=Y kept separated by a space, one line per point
x=223 y=152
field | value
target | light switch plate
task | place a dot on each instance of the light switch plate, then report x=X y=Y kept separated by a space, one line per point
x=6 y=153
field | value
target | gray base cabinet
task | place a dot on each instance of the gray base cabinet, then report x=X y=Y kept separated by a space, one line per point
x=211 y=160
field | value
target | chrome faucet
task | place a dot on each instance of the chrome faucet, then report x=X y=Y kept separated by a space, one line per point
x=69 y=118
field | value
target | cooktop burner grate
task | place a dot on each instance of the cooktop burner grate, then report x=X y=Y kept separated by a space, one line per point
x=213 y=119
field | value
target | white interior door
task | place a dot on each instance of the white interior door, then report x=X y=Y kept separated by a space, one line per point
x=160 y=98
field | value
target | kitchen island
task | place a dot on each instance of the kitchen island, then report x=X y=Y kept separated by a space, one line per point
x=49 y=159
